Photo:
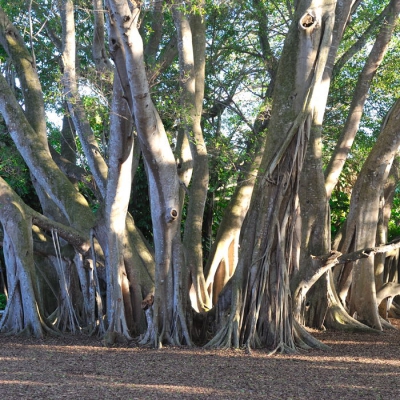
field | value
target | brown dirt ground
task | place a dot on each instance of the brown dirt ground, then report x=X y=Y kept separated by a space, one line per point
x=358 y=366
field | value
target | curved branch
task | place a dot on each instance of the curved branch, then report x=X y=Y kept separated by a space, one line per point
x=327 y=261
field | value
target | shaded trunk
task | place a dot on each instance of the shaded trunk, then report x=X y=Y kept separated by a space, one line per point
x=385 y=209
x=191 y=47
x=22 y=313
x=224 y=253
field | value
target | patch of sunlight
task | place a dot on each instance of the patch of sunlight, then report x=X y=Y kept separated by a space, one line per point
x=348 y=359
x=181 y=389
x=27 y=383
x=354 y=342
x=351 y=387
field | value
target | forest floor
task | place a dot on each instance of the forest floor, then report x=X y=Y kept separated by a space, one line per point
x=358 y=366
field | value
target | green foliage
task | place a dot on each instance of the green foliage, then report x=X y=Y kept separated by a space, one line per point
x=98 y=116
x=339 y=203
x=394 y=223
x=3 y=301
x=139 y=205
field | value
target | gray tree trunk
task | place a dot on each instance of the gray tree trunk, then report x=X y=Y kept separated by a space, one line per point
x=263 y=315
x=314 y=224
x=364 y=214
x=191 y=49
x=168 y=308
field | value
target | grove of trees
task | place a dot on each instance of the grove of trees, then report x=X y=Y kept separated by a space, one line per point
x=212 y=173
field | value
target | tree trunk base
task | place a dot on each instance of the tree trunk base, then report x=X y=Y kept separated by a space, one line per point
x=304 y=340
x=337 y=319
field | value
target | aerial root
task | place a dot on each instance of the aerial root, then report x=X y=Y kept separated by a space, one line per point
x=223 y=339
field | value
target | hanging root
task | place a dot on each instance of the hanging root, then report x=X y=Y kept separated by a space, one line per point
x=53 y=331
x=228 y=335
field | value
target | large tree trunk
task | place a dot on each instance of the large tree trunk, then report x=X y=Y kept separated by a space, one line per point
x=313 y=211
x=314 y=224
x=89 y=144
x=191 y=47
x=119 y=310
x=22 y=313
x=169 y=324
x=224 y=253
x=385 y=210
x=263 y=315
x=362 y=221
x=314 y=229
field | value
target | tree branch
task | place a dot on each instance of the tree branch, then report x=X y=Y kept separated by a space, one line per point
x=361 y=42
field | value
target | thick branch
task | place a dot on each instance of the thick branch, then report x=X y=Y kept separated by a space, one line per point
x=24 y=64
x=99 y=52
x=389 y=289
x=321 y=264
x=40 y=164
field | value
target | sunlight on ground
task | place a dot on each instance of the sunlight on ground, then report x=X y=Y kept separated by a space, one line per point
x=345 y=359
x=21 y=383
x=112 y=385
x=354 y=343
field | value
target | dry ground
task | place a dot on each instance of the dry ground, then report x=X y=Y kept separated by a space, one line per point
x=358 y=366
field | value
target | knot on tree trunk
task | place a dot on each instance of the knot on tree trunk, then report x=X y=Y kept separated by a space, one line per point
x=308 y=20
x=172 y=215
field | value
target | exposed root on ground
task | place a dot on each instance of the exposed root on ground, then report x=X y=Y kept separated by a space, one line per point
x=305 y=340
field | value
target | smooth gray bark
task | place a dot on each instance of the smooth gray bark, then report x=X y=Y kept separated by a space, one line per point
x=363 y=219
